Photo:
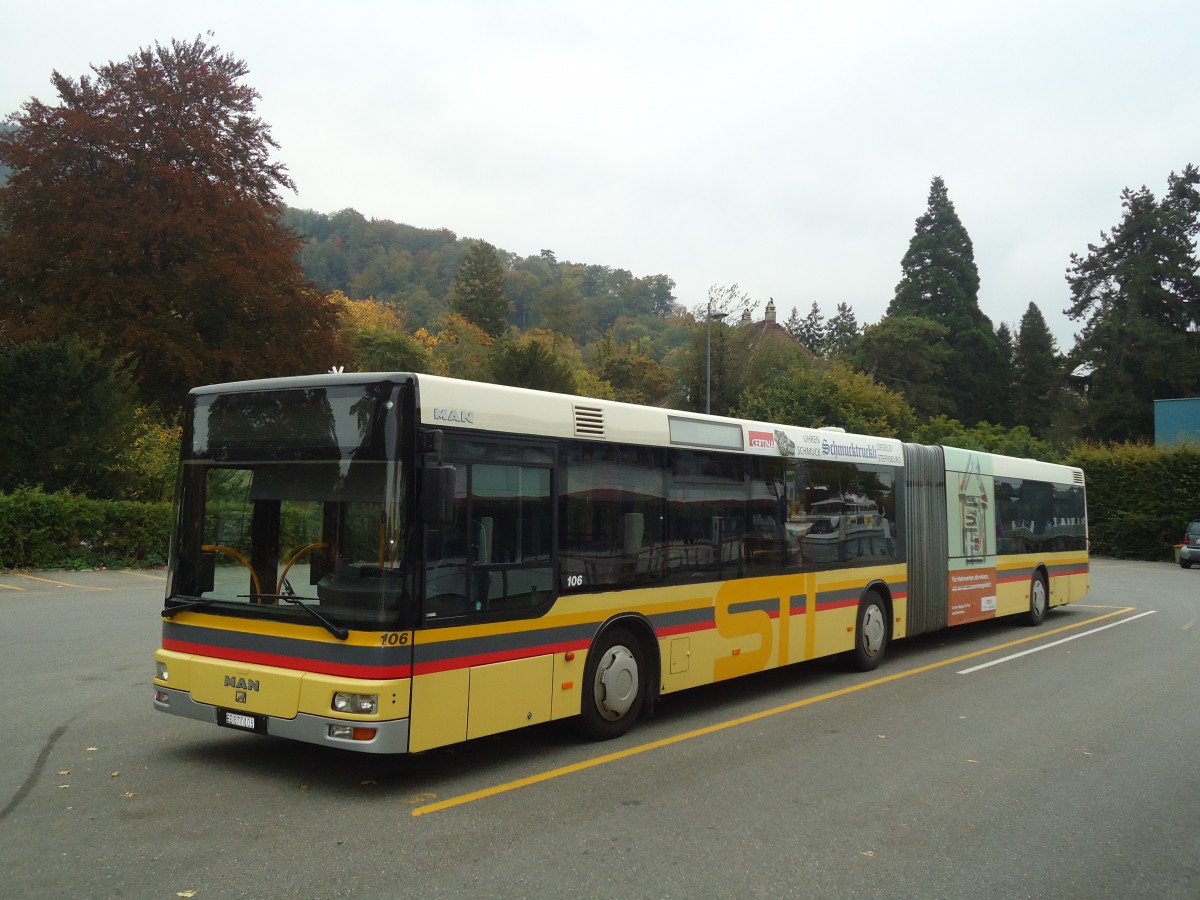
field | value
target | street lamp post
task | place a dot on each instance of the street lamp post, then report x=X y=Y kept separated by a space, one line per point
x=708 y=355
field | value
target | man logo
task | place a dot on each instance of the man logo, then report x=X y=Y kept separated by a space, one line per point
x=454 y=415
x=241 y=684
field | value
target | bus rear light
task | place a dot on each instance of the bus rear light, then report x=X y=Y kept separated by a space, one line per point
x=352 y=733
x=359 y=704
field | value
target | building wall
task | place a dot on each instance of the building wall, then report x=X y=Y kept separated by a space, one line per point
x=1177 y=422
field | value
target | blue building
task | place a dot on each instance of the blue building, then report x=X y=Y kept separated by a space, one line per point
x=1177 y=422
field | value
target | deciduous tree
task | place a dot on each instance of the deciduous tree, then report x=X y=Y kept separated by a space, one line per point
x=461 y=349
x=143 y=213
x=815 y=397
x=67 y=419
x=534 y=361
x=988 y=438
x=909 y=355
x=632 y=371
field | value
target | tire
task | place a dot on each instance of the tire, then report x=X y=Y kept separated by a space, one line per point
x=871 y=633
x=614 y=685
x=1185 y=563
x=1039 y=600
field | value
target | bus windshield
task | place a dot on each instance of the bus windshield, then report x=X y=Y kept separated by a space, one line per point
x=292 y=495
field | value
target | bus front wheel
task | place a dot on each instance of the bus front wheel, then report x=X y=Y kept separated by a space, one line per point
x=1039 y=600
x=613 y=686
x=871 y=633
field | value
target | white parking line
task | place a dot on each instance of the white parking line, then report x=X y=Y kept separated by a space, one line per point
x=1004 y=659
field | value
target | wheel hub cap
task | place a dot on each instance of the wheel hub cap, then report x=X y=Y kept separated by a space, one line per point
x=616 y=683
x=873 y=631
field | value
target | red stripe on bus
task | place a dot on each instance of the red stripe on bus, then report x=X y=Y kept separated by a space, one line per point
x=686 y=628
x=1027 y=574
x=837 y=604
x=481 y=659
x=296 y=663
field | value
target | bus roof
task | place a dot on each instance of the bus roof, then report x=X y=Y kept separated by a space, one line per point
x=453 y=403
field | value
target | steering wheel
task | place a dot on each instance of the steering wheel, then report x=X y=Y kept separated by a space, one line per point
x=307 y=548
x=236 y=554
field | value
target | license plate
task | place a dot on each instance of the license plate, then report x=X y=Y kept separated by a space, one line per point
x=239 y=720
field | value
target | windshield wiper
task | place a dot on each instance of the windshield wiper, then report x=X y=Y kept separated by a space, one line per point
x=169 y=611
x=341 y=632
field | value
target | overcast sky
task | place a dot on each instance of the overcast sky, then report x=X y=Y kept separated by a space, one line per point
x=785 y=147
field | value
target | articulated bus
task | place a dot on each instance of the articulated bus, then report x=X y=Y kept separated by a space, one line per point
x=394 y=562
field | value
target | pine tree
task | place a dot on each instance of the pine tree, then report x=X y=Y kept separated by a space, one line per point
x=1139 y=293
x=842 y=333
x=941 y=283
x=1037 y=374
x=809 y=331
x=793 y=323
x=1004 y=337
x=478 y=290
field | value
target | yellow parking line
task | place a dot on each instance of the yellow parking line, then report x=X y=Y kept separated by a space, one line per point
x=82 y=587
x=11 y=587
x=144 y=574
x=540 y=777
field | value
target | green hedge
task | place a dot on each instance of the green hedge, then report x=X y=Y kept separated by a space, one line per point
x=1139 y=498
x=64 y=530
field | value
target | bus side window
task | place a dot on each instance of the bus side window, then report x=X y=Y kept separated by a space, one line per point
x=494 y=556
x=611 y=517
x=769 y=549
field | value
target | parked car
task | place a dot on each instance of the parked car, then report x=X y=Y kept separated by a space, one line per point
x=1189 y=552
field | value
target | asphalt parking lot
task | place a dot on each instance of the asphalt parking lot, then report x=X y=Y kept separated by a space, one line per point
x=988 y=761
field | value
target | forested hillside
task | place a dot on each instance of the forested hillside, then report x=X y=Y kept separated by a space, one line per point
x=414 y=268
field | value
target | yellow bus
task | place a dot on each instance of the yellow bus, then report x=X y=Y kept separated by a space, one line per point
x=394 y=562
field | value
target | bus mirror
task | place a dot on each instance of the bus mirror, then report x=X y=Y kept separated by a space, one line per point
x=437 y=495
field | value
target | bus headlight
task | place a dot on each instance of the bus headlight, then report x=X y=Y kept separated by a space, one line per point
x=160 y=670
x=360 y=704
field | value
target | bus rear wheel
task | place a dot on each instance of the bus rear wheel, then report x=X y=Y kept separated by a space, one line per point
x=613 y=685
x=871 y=632
x=1039 y=600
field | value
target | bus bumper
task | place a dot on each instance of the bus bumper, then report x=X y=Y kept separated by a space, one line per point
x=389 y=737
